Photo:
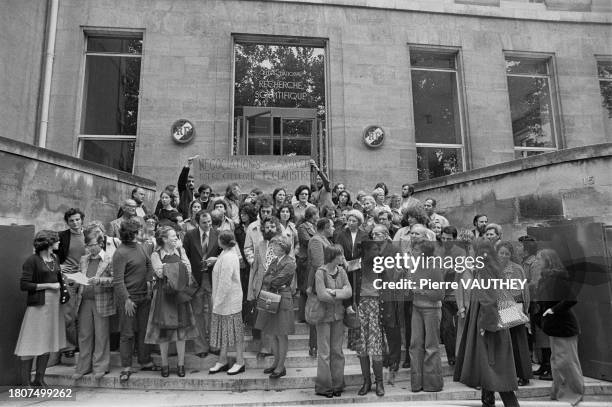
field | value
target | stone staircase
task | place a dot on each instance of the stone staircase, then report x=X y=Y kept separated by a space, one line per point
x=296 y=388
x=301 y=371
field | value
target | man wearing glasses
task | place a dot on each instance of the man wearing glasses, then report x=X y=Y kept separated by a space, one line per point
x=129 y=212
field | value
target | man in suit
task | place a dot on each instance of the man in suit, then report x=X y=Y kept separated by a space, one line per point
x=202 y=249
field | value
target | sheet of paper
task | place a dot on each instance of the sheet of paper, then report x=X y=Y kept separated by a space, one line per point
x=354 y=264
x=78 y=278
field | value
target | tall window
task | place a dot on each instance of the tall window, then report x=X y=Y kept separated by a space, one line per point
x=438 y=122
x=533 y=105
x=110 y=100
x=279 y=97
x=604 y=73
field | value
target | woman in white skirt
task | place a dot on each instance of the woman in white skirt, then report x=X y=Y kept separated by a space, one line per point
x=226 y=324
x=42 y=329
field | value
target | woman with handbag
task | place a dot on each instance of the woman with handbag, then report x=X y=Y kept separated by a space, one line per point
x=485 y=356
x=171 y=317
x=42 y=329
x=518 y=334
x=331 y=288
x=226 y=328
x=277 y=320
x=555 y=299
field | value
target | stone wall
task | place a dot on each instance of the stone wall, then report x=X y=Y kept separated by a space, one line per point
x=37 y=186
x=187 y=73
x=21 y=54
x=573 y=184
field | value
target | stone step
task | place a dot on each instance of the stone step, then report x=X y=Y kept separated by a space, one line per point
x=295 y=358
x=454 y=394
x=301 y=328
x=296 y=342
x=252 y=379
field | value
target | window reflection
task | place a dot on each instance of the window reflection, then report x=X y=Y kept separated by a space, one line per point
x=437 y=112
x=532 y=109
x=604 y=72
x=279 y=100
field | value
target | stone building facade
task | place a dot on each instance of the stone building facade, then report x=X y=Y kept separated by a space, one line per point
x=370 y=48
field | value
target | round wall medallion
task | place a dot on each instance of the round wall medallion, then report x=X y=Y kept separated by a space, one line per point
x=374 y=136
x=182 y=131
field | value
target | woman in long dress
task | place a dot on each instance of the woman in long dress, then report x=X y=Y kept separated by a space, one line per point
x=170 y=263
x=42 y=330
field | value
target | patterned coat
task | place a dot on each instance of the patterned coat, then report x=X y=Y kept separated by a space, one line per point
x=103 y=292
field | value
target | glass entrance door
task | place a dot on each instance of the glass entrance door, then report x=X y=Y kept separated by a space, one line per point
x=277 y=131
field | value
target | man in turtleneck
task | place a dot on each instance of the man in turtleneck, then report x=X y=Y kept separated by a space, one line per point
x=70 y=251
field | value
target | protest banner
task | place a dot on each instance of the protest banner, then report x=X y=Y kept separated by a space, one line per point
x=264 y=172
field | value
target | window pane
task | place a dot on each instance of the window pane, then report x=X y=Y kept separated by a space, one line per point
x=114 y=45
x=436 y=107
x=297 y=136
x=425 y=59
x=530 y=108
x=111 y=95
x=278 y=81
x=435 y=162
x=606 y=102
x=604 y=69
x=259 y=146
x=115 y=154
x=526 y=66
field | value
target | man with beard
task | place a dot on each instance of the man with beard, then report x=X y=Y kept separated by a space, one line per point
x=407 y=199
x=186 y=185
x=480 y=224
x=263 y=256
x=448 y=326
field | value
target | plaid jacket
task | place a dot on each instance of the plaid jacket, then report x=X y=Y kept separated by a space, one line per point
x=103 y=292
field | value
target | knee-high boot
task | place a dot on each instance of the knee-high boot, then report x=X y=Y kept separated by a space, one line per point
x=26 y=372
x=378 y=374
x=364 y=361
x=41 y=367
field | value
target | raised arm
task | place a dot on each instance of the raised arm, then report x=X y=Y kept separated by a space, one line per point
x=323 y=176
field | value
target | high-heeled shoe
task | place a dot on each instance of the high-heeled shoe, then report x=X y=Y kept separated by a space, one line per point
x=278 y=375
x=181 y=371
x=165 y=371
x=269 y=370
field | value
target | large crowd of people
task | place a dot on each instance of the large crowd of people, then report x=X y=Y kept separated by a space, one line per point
x=204 y=263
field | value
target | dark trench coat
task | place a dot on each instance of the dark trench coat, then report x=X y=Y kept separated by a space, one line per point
x=485 y=360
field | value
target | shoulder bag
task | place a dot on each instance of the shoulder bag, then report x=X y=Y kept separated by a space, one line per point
x=509 y=312
x=351 y=320
x=268 y=302
x=314 y=310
